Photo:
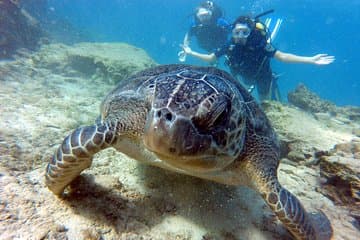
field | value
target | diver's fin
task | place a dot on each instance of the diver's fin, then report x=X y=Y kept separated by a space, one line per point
x=267 y=22
x=276 y=29
x=273 y=28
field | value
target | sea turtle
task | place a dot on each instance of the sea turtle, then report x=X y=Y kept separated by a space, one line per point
x=193 y=120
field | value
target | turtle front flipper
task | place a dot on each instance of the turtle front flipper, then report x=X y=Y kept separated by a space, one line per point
x=75 y=154
x=289 y=210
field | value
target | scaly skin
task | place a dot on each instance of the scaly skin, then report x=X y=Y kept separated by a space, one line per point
x=75 y=154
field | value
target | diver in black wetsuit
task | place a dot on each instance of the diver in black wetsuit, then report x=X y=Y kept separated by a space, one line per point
x=209 y=27
x=248 y=55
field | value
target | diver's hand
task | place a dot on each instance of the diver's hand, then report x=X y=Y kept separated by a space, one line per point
x=322 y=59
x=186 y=49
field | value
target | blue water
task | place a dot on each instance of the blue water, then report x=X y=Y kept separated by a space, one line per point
x=158 y=26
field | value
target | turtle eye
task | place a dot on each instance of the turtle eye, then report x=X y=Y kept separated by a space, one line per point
x=212 y=112
x=220 y=117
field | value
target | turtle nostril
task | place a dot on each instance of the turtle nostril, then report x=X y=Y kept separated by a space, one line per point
x=168 y=116
x=158 y=114
x=165 y=114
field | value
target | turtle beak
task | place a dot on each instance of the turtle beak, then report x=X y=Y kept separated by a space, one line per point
x=171 y=135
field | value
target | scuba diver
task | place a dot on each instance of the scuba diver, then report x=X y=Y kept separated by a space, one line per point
x=248 y=55
x=209 y=28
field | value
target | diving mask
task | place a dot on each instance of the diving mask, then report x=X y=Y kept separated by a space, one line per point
x=203 y=14
x=241 y=31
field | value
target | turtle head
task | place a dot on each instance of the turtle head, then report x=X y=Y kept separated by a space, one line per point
x=190 y=133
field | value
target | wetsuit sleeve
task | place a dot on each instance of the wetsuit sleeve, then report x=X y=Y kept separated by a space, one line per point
x=270 y=50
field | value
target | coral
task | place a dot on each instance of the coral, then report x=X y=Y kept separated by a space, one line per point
x=303 y=98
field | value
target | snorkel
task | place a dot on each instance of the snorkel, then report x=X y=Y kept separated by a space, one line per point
x=264 y=13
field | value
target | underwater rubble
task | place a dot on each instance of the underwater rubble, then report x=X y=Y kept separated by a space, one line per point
x=45 y=95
